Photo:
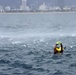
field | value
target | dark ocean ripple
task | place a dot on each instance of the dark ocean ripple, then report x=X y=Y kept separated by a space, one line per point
x=37 y=58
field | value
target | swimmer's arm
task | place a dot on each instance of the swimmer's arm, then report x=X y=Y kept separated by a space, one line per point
x=64 y=48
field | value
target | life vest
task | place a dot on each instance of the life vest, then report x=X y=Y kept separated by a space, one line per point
x=58 y=49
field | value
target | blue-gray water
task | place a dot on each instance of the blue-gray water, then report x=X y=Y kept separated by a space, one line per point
x=27 y=41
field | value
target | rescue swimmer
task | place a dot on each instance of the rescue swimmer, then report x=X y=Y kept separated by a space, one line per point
x=58 y=48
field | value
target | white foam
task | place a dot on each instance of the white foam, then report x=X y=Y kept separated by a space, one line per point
x=24 y=45
x=71 y=46
x=16 y=42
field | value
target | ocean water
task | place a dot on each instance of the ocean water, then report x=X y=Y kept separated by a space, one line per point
x=27 y=42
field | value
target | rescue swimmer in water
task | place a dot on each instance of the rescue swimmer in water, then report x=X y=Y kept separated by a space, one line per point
x=58 y=48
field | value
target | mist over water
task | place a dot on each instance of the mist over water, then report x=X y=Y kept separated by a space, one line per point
x=27 y=41
x=37 y=24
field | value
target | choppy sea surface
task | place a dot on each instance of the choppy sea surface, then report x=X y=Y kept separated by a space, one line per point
x=27 y=42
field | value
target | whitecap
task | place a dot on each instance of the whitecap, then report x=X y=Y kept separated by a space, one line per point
x=24 y=45
x=71 y=46
x=16 y=42
x=41 y=40
x=73 y=35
